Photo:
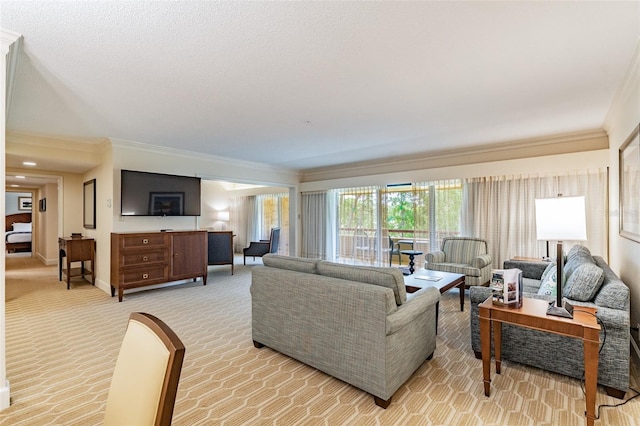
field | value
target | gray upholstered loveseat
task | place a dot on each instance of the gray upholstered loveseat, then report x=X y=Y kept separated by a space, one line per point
x=560 y=354
x=354 y=323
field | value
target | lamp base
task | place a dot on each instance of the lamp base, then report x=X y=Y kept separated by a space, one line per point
x=565 y=310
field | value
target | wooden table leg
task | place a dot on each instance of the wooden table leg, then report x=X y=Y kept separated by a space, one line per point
x=485 y=342
x=591 y=343
x=461 y=287
x=497 y=344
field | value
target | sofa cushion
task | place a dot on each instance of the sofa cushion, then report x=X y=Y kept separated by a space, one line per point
x=584 y=282
x=385 y=277
x=549 y=283
x=576 y=259
x=298 y=264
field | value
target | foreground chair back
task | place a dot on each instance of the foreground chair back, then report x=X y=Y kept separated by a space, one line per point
x=145 y=380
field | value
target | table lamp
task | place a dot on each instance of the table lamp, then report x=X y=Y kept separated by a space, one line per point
x=561 y=219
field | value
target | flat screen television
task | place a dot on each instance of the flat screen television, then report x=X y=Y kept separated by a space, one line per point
x=156 y=194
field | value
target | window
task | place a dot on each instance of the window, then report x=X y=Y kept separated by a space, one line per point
x=418 y=214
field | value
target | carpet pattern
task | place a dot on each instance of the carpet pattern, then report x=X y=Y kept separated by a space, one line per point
x=62 y=346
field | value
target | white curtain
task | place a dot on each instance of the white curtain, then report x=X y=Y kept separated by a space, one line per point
x=501 y=210
x=273 y=212
x=314 y=225
x=242 y=215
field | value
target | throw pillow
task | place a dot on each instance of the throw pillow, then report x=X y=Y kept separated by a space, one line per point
x=22 y=227
x=584 y=283
x=549 y=285
x=550 y=267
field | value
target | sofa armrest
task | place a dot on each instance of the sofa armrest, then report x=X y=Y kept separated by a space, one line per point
x=529 y=269
x=436 y=257
x=417 y=305
x=481 y=261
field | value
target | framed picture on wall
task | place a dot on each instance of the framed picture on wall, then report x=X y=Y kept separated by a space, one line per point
x=630 y=186
x=89 y=208
x=24 y=203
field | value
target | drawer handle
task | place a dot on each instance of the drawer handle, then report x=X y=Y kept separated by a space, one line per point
x=145 y=276
x=145 y=258
x=145 y=241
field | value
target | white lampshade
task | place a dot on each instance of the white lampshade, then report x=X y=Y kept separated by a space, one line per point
x=223 y=216
x=561 y=219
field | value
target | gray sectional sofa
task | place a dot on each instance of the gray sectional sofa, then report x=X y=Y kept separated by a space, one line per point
x=355 y=323
x=588 y=282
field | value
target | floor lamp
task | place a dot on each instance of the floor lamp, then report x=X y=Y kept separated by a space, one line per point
x=561 y=219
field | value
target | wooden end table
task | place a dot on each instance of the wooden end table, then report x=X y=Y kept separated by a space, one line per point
x=533 y=314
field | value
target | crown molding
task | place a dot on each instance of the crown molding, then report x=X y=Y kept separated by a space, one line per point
x=625 y=91
x=11 y=44
x=534 y=147
x=191 y=155
x=89 y=145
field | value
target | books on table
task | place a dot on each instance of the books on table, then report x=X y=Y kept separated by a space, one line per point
x=506 y=287
x=428 y=277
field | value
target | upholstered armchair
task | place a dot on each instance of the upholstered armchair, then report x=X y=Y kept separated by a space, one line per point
x=262 y=247
x=462 y=255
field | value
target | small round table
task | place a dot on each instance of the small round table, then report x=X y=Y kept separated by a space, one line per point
x=411 y=254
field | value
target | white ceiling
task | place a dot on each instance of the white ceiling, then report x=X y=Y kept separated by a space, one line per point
x=312 y=84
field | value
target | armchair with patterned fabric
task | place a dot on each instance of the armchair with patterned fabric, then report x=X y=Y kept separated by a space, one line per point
x=463 y=255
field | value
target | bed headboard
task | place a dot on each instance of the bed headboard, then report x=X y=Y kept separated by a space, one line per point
x=10 y=219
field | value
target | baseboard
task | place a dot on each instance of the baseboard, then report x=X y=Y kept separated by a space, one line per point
x=5 y=399
x=46 y=261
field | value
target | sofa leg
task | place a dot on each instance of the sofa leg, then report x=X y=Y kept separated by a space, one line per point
x=616 y=393
x=381 y=402
x=478 y=354
x=430 y=356
x=258 y=344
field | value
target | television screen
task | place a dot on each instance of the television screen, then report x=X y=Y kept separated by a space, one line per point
x=156 y=194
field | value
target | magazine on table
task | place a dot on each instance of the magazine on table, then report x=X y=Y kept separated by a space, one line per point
x=506 y=287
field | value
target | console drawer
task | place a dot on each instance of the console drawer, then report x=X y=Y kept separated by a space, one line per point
x=143 y=240
x=133 y=277
x=143 y=257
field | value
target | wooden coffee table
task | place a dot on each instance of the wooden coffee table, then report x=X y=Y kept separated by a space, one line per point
x=443 y=281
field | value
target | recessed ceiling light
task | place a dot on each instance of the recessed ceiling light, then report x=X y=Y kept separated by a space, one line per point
x=20 y=177
x=29 y=163
x=15 y=186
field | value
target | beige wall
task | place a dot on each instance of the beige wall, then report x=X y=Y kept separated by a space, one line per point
x=622 y=119
x=47 y=235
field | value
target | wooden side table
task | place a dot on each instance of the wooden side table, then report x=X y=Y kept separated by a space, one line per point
x=533 y=314
x=76 y=250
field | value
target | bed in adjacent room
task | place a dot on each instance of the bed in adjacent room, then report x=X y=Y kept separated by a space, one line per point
x=18 y=232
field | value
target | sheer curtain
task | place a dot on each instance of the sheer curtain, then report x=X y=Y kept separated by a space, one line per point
x=319 y=225
x=242 y=212
x=314 y=225
x=273 y=212
x=501 y=209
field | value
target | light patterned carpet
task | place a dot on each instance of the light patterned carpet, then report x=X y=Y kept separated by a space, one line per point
x=62 y=346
